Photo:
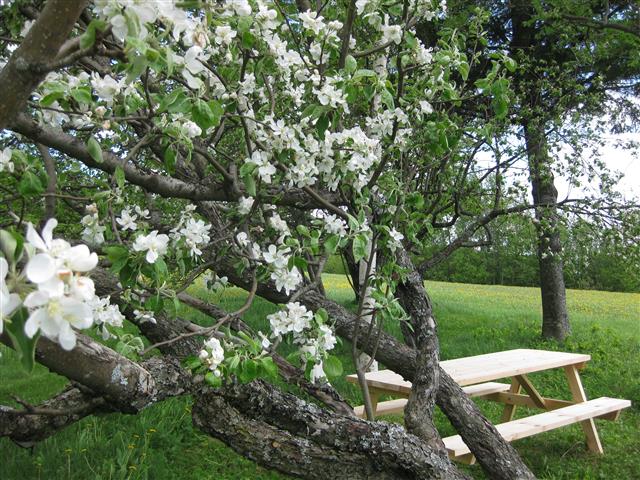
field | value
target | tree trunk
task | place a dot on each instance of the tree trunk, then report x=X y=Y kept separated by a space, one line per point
x=418 y=414
x=555 y=321
x=283 y=432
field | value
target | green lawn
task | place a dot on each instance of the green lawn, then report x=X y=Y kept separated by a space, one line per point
x=473 y=319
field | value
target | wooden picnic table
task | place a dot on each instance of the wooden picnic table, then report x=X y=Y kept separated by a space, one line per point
x=477 y=374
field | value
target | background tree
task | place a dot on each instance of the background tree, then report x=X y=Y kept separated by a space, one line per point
x=237 y=140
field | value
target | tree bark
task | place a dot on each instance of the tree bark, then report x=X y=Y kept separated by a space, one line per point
x=20 y=76
x=555 y=321
x=281 y=431
x=418 y=414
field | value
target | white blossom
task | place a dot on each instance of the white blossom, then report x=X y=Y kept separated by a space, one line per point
x=143 y=316
x=55 y=315
x=317 y=372
x=5 y=160
x=93 y=232
x=155 y=245
x=390 y=33
x=8 y=301
x=395 y=239
x=335 y=225
x=105 y=314
x=425 y=107
x=287 y=280
x=295 y=318
x=265 y=168
x=244 y=205
x=190 y=129
x=105 y=87
x=127 y=220
x=196 y=234
x=224 y=35
x=212 y=355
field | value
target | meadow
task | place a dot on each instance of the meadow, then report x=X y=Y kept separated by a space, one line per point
x=161 y=443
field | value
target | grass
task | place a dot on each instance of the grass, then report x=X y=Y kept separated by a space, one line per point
x=161 y=443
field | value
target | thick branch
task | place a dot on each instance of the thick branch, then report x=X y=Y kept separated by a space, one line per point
x=284 y=432
x=50 y=31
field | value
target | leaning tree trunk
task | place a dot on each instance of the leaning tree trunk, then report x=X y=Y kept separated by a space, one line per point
x=284 y=432
x=555 y=321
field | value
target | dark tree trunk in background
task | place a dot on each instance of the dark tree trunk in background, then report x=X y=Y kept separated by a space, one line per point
x=555 y=321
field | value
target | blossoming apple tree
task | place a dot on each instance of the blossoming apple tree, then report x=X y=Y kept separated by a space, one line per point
x=153 y=145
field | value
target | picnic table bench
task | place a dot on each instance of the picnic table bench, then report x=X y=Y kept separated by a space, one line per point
x=476 y=376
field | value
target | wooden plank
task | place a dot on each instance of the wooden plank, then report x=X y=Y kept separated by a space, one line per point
x=518 y=399
x=482 y=368
x=588 y=426
x=543 y=422
x=493 y=366
x=397 y=405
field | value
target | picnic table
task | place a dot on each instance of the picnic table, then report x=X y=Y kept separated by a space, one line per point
x=476 y=376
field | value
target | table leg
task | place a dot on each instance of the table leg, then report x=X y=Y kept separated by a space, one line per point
x=510 y=410
x=588 y=426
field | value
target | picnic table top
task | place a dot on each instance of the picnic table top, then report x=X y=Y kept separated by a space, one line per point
x=483 y=368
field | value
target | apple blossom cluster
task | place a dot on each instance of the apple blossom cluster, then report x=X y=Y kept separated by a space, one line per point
x=128 y=219
x=215 y=283
x=64 y=298
x=314 y=339
x=212 y=355
x=93 y=232
x=193 y=232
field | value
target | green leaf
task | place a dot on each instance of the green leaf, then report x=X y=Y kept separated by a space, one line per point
x=202 y=114
x=94 y=149
x=170 y=160
x=154 y=304
x=322 y=315
x=192 y=363
x=213 y=380
x=359 y=247
x=247 y=169
x=30 y=184
x=47 y=100
x=332 y=366
x=269 y=367
x=331 y=244
x=119 y=175
x=248 y=371
x=321 y=126
x=351 y=64
x=364 y=73
x=248 y=40
x=510 y=63
x=88 y=38
x=23 y=345
x=410 y=40
x=11 y=245
x=82 y=95
x=250 y=184
x=387 y=99
x=463 y=68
